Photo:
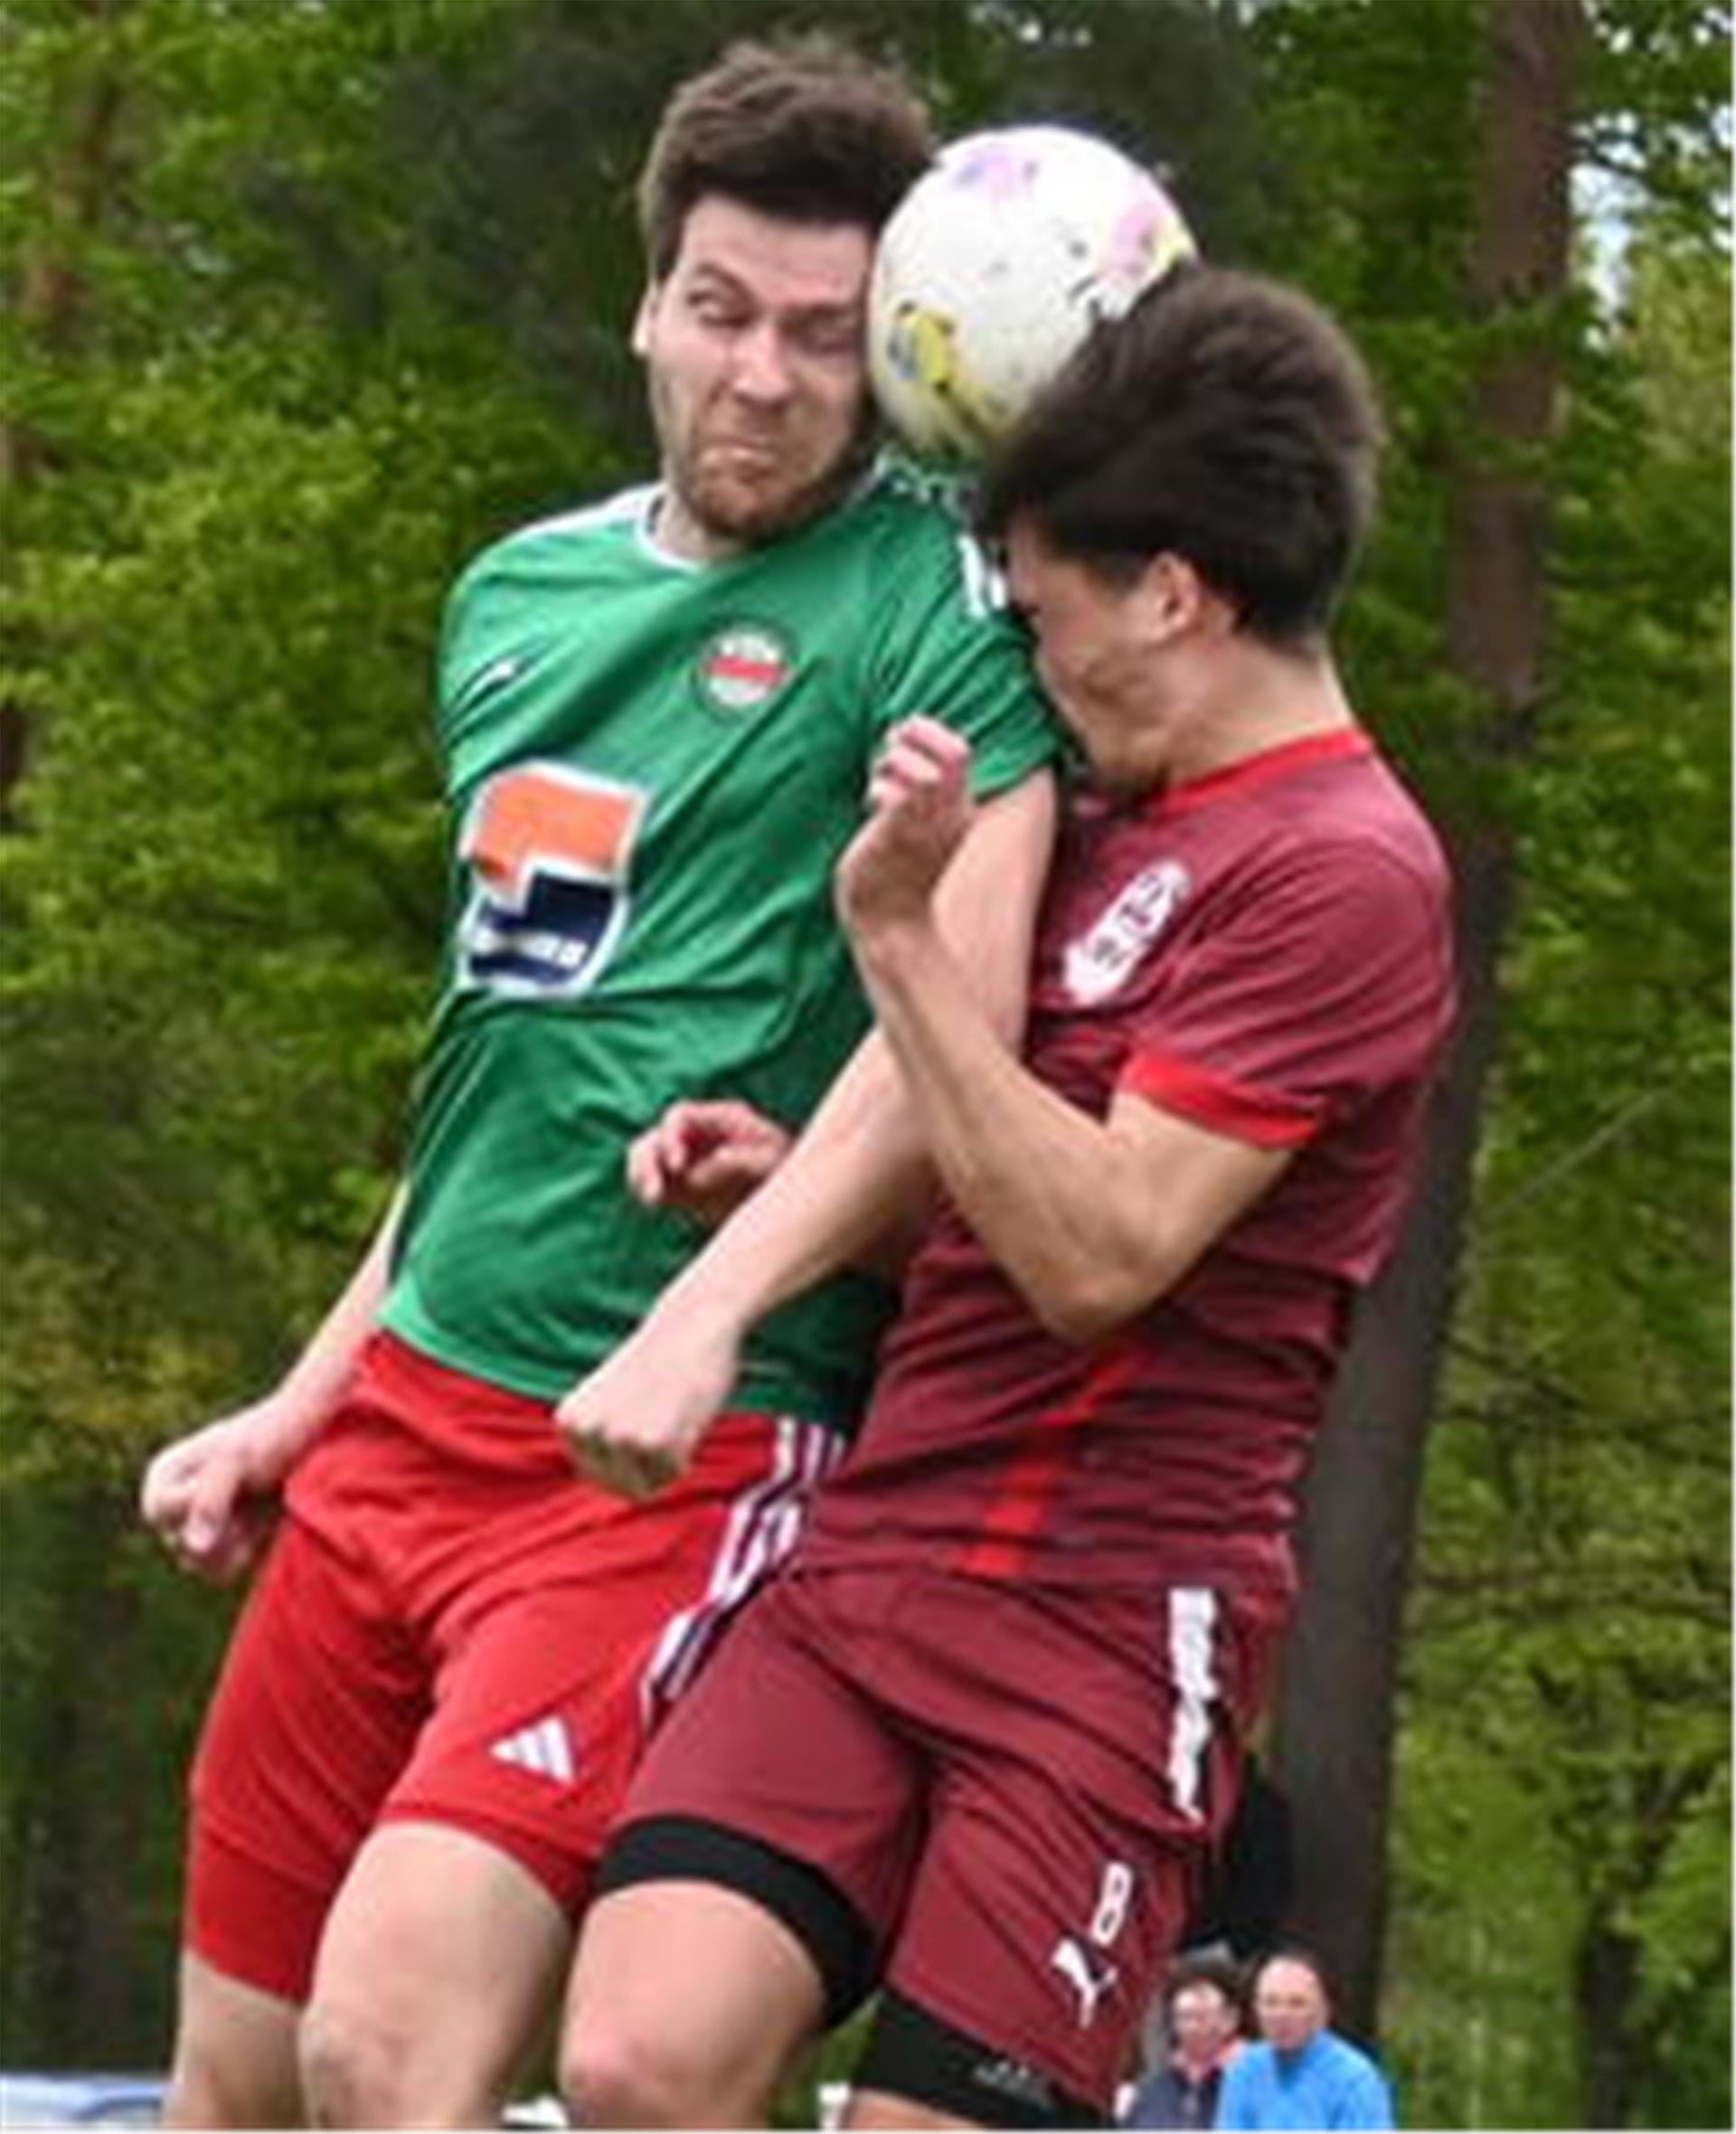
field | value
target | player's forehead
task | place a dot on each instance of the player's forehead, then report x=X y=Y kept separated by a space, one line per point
x=1037 y=573
x=780 y=264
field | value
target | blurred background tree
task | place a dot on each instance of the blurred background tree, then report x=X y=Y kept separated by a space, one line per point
x=302 y=304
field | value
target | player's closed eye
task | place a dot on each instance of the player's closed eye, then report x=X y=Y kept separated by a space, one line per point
x=829 y=337
x=713 y=308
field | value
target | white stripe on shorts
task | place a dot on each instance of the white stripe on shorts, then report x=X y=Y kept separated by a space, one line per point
x=762 y=1527
x=1193 y=1620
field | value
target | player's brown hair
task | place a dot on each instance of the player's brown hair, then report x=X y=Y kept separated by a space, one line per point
x=804 y=128
x=1226 y=419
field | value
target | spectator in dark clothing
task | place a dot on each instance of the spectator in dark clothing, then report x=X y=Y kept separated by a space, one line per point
x=1203 y=2027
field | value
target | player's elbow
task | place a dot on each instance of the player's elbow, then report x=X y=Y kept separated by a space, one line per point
x=1087 y=1301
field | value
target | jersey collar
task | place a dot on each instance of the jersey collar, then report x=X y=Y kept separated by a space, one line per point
x=1342 y=744
x=655 y=495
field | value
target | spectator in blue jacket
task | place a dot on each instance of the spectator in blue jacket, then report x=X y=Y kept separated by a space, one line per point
x=1301 y=2074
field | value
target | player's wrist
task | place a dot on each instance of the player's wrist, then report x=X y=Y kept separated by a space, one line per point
x=711 y=1306
x=895 y=944
x=279 y=1428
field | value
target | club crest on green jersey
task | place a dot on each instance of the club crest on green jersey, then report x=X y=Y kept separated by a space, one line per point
x=742 y=666
x=547 y=848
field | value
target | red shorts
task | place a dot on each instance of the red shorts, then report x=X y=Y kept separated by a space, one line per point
x=1017 y=1792
x=452 y=1627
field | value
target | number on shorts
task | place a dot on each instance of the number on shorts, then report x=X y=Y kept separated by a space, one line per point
x=1112 y=1902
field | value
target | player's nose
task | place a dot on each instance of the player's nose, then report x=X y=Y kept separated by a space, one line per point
x=761 y=369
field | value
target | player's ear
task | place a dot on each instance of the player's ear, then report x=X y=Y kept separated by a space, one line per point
x=1177 y=598
x=642 y=319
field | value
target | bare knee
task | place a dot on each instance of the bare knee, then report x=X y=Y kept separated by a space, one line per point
x=612 y=2077
x=352 y=2067
x=616 y=2072
x=366 y=2062
x=206 y=2090
x=234 y=2055
x=685 y=2006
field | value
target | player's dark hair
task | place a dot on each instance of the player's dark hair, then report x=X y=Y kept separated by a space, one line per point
x=804 y=128
x=1227 y=420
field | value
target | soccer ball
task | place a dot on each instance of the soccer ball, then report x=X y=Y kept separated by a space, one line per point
x=994 y=266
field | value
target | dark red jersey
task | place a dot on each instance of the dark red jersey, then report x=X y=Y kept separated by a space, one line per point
x=1265 y=951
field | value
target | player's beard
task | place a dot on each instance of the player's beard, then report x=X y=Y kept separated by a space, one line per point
x=733 y=509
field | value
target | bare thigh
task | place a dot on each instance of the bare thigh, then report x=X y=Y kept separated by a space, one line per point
x=441 y=1959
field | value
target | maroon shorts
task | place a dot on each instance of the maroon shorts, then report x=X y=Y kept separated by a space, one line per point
x=452 y=1627
x=1016 y=1792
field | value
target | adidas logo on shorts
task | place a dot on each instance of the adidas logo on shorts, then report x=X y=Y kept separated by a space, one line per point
x=544 y=1750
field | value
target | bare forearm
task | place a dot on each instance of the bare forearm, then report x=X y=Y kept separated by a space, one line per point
x=858 y=1180
x=860 y=1176
x=209 y=1494
x=1094 y=1219
x=856 y=1173
x=309 y=1389
x=1039 y=1182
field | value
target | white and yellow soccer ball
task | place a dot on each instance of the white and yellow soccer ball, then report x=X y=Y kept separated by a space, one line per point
x=994 y=266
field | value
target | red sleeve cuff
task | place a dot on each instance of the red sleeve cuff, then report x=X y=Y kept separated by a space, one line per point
x=1219 y=1101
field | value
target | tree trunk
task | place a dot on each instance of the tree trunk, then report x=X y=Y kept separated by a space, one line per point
x=1337 y=1706
x=75 y=1841
x=1337 y=1694
x=51 y=309
x=1605 y=1984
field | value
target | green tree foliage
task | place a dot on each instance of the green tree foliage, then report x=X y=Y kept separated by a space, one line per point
x=1569 y=1661
x=1561 y=1919
x=242 y=463
x=302 y=304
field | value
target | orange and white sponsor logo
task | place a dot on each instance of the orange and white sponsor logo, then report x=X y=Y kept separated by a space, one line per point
x=549 y=849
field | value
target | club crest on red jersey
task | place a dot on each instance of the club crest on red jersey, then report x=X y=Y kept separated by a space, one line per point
x=548 y=849
x=1103 y=959
x=743 y=666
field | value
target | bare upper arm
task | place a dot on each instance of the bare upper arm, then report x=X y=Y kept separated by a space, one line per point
x=1177 y=1187
x=987 y=907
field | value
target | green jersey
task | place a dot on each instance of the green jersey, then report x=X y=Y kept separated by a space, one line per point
x=653 y=766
